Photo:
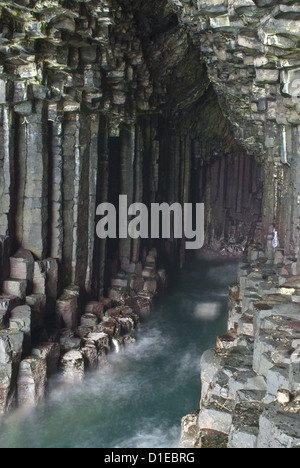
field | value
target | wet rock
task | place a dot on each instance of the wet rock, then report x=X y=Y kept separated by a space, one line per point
x=40 y=277
x=217 y=415
x=67 y=311
x=101 y=341
x=8 y=385
x=126 y=320
x=72 y=366
x=150 y=286
x=8 y=303
x=3 y=98
x=50 y=352
x=72 y=290
x=129 y=341
x=140 y=305
x=64 y=22
x=11 y=346
x=117 y=295
x=21 y=320
x=96 y=308
x=32 y=380
x=3 y=319
x=245 y=425
x=213 y=439
x=39 y=319
x=136 y=283
x=16 y=288
x=109 y=326
x=96 y=348
x=279 y=428
x=68 y=341
x=22 y=268
x=255 y=369
x=89 y=320
x=223 y=78
x=189 y=430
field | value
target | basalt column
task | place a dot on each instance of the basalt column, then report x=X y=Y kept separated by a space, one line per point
x=127 y=162
x=32 y=176
x=6 y=161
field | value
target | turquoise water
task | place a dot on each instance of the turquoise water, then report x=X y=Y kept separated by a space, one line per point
x=140 y=400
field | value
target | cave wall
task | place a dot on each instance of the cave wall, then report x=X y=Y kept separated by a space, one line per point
x=251 y=51
x=164 y=101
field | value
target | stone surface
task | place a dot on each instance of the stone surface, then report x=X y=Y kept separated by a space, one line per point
x=32 y=379
x=11 y=348
x=21 y=320
x=250 y=389
x=172 y=101
x=72 y=366
x=67 y=311
x=189 y=431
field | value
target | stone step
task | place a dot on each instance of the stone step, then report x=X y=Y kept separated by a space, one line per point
x=21 y=320
x=72 y=290
x=3 y=319
x=21 y=268
x=119 y=283
x=96 y=308
x=89 y=320
x=9 y=302
x=67 y=311
x=245 y=425
x=217 y=415
x=211 y=439
x=14 y=287
x=32 y=380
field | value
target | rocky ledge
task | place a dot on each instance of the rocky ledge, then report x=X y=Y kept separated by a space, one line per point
x=42 y=335
x=251 y=380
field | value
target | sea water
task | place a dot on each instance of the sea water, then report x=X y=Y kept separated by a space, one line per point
x=139 y=400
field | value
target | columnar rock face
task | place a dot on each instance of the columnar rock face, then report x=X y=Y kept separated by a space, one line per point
x=250 y=51
x=101 y=100
x=163 y=101
x=37 y=342
x=251 y=381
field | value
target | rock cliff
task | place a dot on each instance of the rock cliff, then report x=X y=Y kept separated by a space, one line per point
x=250 y=382
x=164 y=101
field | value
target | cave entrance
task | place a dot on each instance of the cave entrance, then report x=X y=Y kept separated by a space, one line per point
x=178 y=146
x=189 y=156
